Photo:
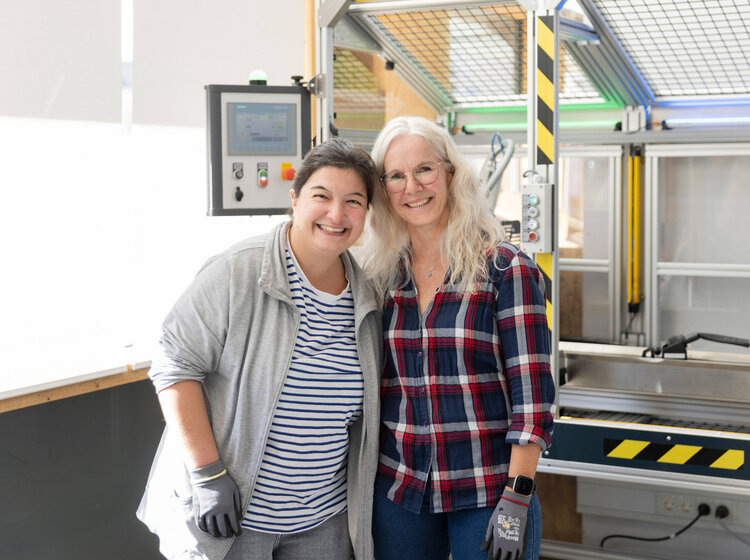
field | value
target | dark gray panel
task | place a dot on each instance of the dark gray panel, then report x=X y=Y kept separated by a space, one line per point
x=72 y=473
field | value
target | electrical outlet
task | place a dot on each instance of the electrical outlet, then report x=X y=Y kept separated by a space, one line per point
x=685 y=506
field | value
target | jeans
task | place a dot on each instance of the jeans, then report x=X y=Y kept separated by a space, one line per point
x=401 y=534
x=329 y=540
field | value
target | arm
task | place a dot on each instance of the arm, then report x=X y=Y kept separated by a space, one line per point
x=185 y=413
x=524 y=460
x=191 y=346
x=217 y=504
x=525 y=347
x=524 y=337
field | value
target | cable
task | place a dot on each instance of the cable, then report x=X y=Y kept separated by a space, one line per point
x=630 y=323
x=493 y=171
x=492 y=145
x=703 y=509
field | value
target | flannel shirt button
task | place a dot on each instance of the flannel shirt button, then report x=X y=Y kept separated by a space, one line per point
x=424 y=423
x=421 y=389
x=419 y=354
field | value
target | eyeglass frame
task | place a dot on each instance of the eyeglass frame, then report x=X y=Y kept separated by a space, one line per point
x=437 y=163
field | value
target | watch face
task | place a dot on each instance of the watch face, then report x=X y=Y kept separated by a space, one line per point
x=523 y=485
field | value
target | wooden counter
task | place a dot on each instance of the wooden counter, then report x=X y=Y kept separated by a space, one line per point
x=97 y=382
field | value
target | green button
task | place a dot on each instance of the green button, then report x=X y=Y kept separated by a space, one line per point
x=533 y=200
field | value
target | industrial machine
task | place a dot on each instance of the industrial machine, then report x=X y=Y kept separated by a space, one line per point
x=684 y=419
x=257 y=138
x=629 y=186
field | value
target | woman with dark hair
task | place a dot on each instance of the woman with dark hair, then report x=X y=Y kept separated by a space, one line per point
x=268 y=380
x=467 y=392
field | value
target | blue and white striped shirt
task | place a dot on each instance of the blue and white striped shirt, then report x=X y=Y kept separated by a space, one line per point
x=302 y=478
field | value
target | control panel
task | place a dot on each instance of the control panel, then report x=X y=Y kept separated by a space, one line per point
x=257 y=138
x=536 y=218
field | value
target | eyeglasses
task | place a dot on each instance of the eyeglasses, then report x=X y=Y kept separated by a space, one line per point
x=425 y=173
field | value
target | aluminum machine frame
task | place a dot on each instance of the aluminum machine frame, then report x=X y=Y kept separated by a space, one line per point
x=622 y=415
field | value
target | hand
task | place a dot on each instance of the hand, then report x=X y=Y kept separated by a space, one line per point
x=506 y=532
x=217 y=504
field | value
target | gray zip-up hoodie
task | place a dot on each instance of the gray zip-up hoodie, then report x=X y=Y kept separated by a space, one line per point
x=234 y=330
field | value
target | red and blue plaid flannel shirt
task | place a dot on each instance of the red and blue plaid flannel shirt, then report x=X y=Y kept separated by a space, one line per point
x=461 y=384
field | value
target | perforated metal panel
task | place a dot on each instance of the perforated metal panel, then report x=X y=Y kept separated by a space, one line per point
x=623 y=52
x=473 y=55
x=685 y=47
x=358 y=101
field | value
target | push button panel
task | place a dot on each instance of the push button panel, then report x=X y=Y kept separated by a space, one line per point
x=536 y=218
x=269 y=175
x=262 y=174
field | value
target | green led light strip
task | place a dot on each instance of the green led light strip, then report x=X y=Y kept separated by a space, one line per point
x=562 y=107
x=522 y=125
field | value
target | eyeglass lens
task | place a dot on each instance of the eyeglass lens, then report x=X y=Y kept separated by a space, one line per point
x=424 y=174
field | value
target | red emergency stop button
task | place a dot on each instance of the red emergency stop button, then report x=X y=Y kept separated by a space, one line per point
x=288 y=173
x=533 y=236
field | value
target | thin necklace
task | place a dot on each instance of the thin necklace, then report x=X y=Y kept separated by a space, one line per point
x=428 y=271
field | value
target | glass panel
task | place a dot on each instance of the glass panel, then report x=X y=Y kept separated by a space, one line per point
x=703 y=207
x=584 y=207
x=585 y=309
x=584 y=204
x=711 y=305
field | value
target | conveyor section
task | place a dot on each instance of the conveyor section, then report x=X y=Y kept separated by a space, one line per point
x=619 y=410
x=651 y=420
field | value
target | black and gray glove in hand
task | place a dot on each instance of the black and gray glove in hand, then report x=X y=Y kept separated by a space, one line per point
x=506 y=532
x=217 y=507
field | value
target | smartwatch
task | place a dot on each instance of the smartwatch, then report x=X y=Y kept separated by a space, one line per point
x=522 y=485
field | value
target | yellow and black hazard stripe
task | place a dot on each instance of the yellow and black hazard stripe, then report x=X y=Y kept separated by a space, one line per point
x=674 y=454
x=545 y=264
x=545 y=90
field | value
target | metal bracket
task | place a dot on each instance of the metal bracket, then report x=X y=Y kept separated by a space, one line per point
x=317 y=86
x=538 y=5
x=331 y=11
x=634 y=119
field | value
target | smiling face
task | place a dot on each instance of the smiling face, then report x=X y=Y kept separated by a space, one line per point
x=422 y=207
x=329 y=213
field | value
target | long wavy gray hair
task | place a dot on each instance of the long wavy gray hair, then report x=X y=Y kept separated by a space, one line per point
x=469 y=237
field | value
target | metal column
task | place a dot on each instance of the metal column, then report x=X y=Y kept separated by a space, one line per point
x=327 y=14
x=540 y=207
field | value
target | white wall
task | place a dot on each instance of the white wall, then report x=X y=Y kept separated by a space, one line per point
x=103 y=226
x=181 y=45
x=61 y=59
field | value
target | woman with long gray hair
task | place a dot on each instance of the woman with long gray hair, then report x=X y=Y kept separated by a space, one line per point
x=466 y=393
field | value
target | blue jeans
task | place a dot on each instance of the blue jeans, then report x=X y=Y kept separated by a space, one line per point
x=400 y=534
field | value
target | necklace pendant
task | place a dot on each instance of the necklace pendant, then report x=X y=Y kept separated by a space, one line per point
x=429 y=273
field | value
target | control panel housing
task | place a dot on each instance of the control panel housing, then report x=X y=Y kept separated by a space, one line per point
x=257 y=138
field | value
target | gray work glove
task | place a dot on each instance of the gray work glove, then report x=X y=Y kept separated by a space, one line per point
x=217 y=504
x=506 y=532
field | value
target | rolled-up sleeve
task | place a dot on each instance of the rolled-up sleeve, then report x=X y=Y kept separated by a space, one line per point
x=194 y=330
x=525 y=346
